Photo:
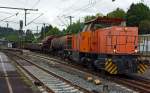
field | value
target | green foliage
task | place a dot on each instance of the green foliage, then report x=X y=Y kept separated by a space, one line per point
x=49 y=30
x=144 y=27
x=74 y=28
x=137 y=13
x=78 y=26
x=42 y=33
x=12 y=37
x=9 y=34
x=88 y=18
x=118 y=13
x=45 y=30
x=99 y=14
x=29 y=36
x=53 y=31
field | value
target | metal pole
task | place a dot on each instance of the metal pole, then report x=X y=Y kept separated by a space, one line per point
x=44 y=30
x=25 y=17
x=7 y=25
x=70 y=19
x=37 y=29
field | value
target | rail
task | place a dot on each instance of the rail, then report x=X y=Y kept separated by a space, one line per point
x=51 y=81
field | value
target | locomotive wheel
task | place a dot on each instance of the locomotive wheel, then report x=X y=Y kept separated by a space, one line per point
x=89 y=65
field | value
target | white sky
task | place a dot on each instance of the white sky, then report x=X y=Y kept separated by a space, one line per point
x=55 y=11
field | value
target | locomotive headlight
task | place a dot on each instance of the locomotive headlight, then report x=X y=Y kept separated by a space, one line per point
x=125 y=29
x=114 y=50
x=135 y=50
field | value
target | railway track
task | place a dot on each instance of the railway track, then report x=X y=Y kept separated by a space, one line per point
x=133 y=82
x=52 y=82
x=137 y=85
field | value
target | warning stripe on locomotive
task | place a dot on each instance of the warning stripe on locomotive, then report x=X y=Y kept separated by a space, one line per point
x=111 y=67
x=142 y=68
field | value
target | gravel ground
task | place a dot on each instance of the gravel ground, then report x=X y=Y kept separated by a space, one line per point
x=77 y=78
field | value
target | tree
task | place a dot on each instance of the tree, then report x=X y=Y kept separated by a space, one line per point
x=99 y=14
x=45 y=30
x=88 y=18
x=12 y=37
x=144 y=27
x=48 y=28
x=118 y=13
x=42 y=33
x=137 y=13
x=53 y=31
x=29 y=36
x=74 y=28
x=9 y=34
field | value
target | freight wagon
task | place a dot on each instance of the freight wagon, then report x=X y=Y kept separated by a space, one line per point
x=33 y=46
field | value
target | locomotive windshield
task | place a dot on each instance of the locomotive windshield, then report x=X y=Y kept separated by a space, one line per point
x=96 y=26
x=103 y=23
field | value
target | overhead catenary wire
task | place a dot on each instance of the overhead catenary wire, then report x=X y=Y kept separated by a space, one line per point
x=62 y=21
x=11 y=22
x=36 y=3
x=35 y=19
x=4 y=12
x=24 y=9
x=9 y=17
x=89 y=5
x=40 y=23
x=19 y=1
x=70 y=8
x=69 y=12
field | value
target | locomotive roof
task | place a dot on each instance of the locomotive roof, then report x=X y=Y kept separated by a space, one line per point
x=105 y=20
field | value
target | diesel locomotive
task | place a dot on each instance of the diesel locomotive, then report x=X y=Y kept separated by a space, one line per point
x=104 y=43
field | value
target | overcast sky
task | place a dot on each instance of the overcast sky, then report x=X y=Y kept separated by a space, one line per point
x=56 y=11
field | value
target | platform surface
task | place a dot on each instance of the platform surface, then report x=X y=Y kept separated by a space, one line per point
x=10 y=80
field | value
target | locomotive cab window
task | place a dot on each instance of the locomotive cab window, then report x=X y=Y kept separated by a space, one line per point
x=85 y=28
x=96 y=26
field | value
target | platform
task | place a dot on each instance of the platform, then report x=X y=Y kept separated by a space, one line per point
x=10 y=80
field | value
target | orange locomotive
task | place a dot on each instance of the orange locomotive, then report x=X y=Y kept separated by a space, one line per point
x=105 y=44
